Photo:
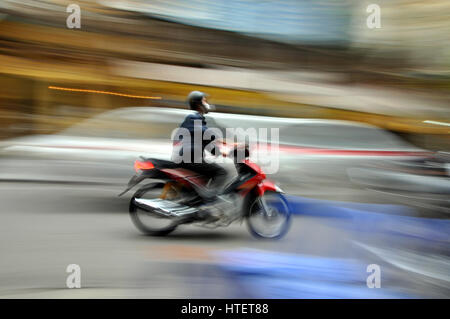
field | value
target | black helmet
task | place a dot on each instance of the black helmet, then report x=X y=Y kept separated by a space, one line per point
x=195 y=98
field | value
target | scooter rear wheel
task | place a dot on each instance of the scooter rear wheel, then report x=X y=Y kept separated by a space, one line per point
x=147 y=222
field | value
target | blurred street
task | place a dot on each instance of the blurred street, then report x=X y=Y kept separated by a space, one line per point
x=46 y=227
x=58 y=225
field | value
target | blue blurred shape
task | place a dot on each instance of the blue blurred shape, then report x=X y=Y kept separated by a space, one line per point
x=374 y=218
x=309 y=206
x=426 y=229
x=261 y=274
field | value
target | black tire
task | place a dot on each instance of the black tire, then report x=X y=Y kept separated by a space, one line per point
x=284 y=215
x=135 y=213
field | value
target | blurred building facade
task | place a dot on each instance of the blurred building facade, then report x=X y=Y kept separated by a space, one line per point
x=314 y=56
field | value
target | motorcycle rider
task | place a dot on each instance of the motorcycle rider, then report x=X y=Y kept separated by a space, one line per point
x=194 y=158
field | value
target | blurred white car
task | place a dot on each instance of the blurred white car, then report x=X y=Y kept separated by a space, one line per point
x=312 y=153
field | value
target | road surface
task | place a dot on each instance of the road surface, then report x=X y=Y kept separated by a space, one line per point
x=45 y=227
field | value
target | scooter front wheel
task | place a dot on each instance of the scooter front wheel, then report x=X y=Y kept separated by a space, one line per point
x=269 y=216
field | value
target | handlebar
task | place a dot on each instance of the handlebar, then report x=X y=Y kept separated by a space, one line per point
x=233 y=150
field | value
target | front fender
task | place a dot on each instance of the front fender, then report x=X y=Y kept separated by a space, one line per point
x=267 y=185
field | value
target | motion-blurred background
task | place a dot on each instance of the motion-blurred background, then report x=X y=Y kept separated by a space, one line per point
x=364 y=119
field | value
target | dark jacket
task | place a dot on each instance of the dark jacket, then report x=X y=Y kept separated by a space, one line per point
x=189 y=124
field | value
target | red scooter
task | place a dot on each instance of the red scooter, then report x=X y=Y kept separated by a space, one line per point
x=178 y=197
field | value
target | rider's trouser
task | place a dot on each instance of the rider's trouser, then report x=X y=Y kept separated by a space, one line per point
x=209 y=170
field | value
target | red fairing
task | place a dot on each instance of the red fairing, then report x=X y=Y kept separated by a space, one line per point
x=184 y=176
x=266 y=185
x=255 y=167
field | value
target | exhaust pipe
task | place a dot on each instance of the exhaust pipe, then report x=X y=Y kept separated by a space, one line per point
x=164 y=207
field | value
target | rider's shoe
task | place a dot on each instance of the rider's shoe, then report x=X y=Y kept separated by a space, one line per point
x=214 y=209
x=207 y=211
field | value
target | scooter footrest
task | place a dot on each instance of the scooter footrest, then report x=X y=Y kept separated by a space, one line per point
x=164 y=207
